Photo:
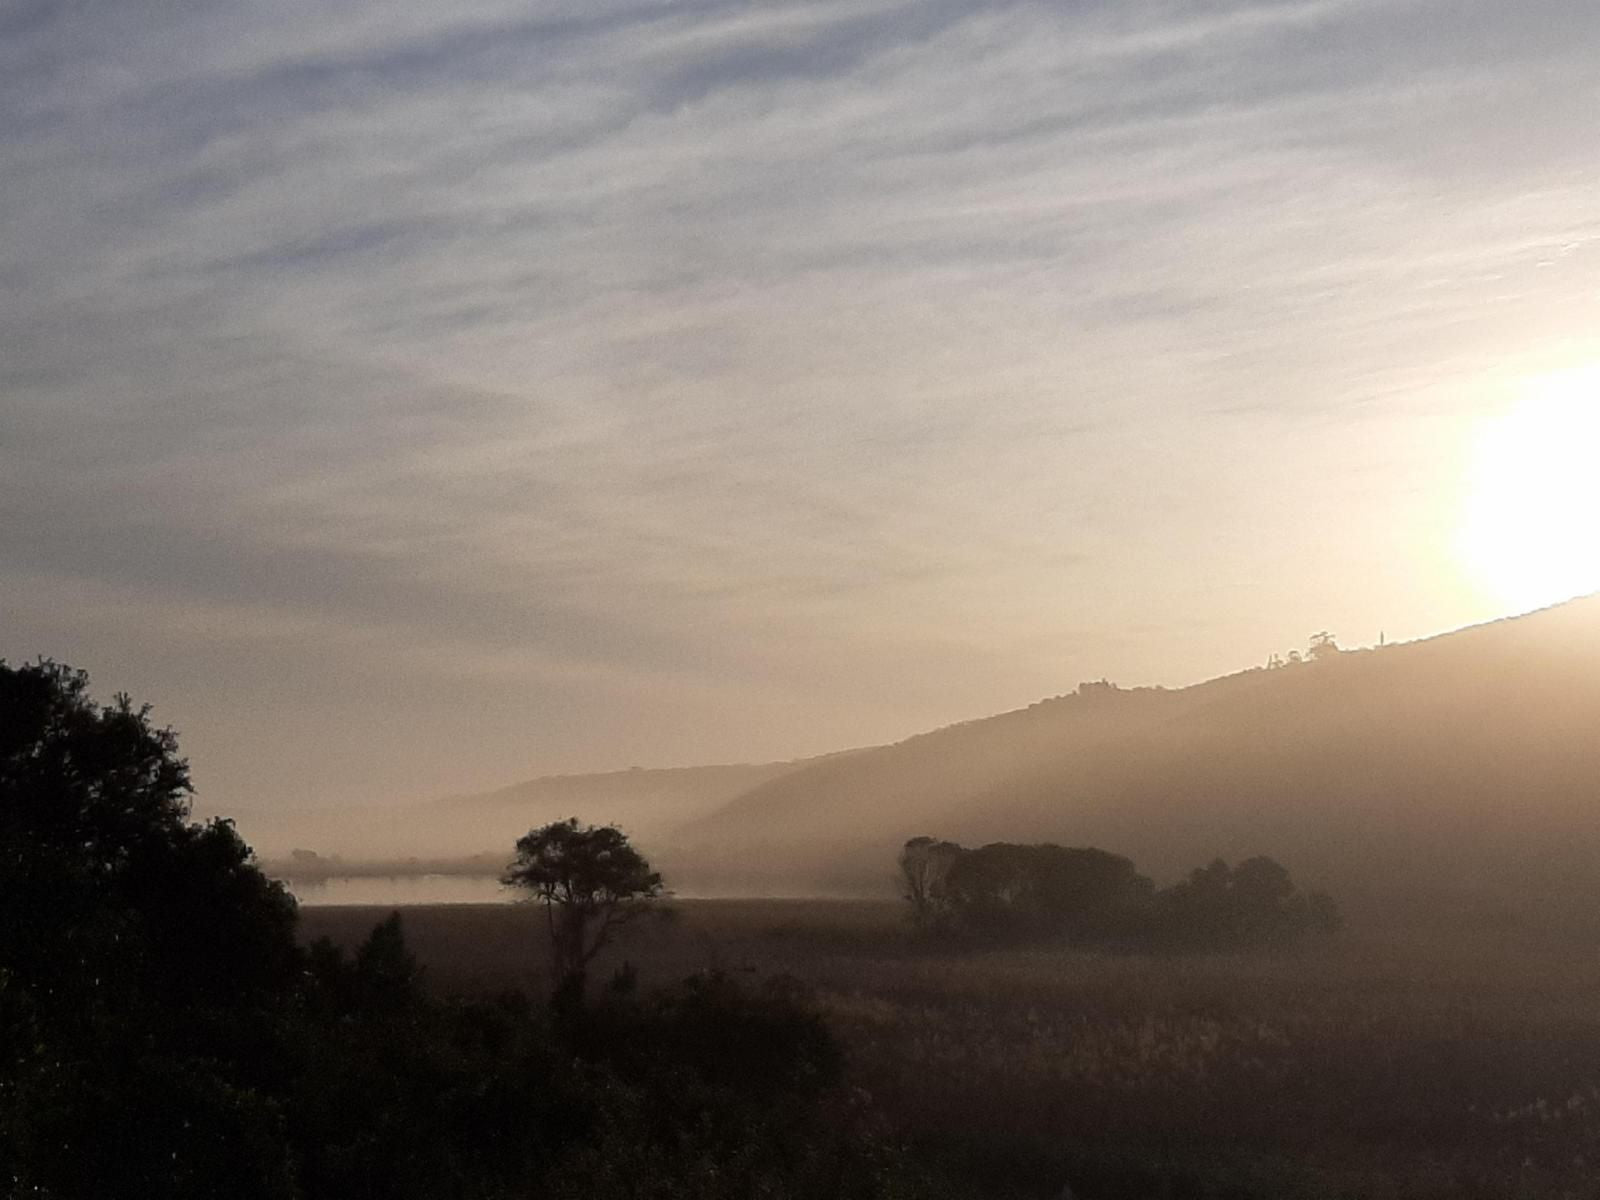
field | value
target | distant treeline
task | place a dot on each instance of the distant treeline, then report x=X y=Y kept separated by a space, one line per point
x=1007 y=892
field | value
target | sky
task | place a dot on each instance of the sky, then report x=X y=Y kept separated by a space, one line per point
x=412 y=398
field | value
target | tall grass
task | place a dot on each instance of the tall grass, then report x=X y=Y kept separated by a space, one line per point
x=1406 y=1063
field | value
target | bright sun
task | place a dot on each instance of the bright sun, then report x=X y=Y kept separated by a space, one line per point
x=1529 y=534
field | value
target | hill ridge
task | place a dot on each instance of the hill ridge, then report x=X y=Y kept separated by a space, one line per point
x=1353 y=766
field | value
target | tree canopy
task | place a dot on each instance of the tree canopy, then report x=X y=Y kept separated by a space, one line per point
x=136 y=948
x=120 y=889
x=591 y=880
x=1076 y=892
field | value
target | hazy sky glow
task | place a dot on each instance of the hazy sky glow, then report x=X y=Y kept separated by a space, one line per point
x=1530 y=533
x=416 y=397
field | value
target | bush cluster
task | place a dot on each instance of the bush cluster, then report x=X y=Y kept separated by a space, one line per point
x=1005 y=891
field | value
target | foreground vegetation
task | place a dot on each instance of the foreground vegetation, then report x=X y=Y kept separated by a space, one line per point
x=1407 y=1061
x=163 y=1033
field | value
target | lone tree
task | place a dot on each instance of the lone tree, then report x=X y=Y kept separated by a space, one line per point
x=590 y=881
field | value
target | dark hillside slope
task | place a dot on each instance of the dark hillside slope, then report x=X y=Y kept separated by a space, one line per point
x=829 y=824
x=934 y=774
x=1467 y=765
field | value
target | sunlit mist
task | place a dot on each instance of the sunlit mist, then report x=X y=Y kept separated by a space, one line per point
x=902 y=599
x=1528 y=536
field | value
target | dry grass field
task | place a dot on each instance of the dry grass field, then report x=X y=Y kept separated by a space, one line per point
x=1405 y=1063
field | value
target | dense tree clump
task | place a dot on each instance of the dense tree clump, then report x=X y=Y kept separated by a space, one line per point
x=162 y=1034
x=1005 y=890
x=142 y=958
x=1219 y=907
x=1080 y=895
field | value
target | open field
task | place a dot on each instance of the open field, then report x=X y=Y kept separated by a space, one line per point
x=1404 y=1062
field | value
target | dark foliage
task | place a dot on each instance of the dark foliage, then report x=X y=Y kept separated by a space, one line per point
x=715 y=1089
x=122 y=895
x=710 y=1089
x=1003 y=891
x=1254 y=904
x=162 y=1035
x=143 y=961
x=925 y=864
x=591 y=882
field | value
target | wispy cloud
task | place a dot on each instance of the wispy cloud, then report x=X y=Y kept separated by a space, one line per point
x=781 y=349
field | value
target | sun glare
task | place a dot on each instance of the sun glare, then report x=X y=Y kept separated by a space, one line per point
x=1529 y=535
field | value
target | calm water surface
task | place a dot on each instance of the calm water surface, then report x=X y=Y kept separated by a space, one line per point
x=401 y=890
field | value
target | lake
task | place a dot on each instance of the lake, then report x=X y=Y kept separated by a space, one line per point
x=400 y=890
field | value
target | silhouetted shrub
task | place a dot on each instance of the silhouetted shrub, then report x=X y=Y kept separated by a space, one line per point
x=1007 y=891
x=715 y=1089
x=1080 y=894
x=1254 y=904
x=1004 y=891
